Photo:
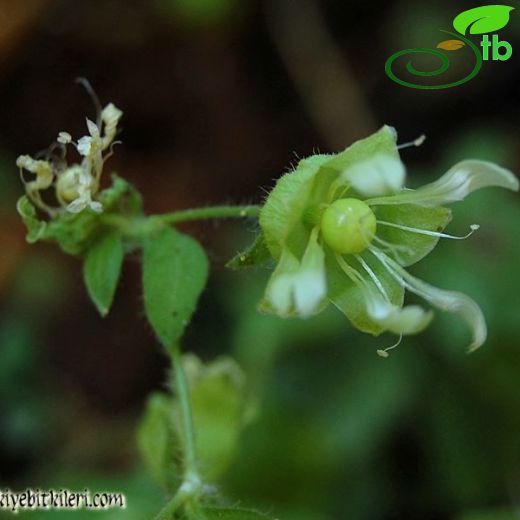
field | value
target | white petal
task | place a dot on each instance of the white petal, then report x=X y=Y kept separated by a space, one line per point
x=450 y=301
x=84 y=145
x=310 y=285
x=378 y=176
x=111 y=114
x=96 y=206
x=408 y=320
x=278 y=296
x=93 y=129
x=77 y=205
x=456 y=184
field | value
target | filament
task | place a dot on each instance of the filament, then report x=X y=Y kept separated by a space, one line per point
x=473 y=228
x=416 y=142
x=384 y=352
x=373 y=276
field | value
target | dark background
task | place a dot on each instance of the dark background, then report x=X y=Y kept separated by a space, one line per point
x=220 y=97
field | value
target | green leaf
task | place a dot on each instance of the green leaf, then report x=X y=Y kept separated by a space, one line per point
x=411 y=215
x=224 y=513
x=484 y=19
x=35 y=227
x=75 y=232
x=158 y=443
x=221 y=408
x=175 y=270
x=255 y=255
x=102 y=268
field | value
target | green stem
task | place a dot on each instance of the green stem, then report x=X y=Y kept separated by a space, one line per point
x=181 y=386
x=141 y=226
x=191 y=483
x=209 y=212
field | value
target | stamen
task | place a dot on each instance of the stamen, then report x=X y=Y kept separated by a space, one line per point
x=373 y=276
x=384 y=352
x=383 y=259
x=473 y=228
x=64 y=138
x=415 y=142
x=85 y=83
x=350 y=271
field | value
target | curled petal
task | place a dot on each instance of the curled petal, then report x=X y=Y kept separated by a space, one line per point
x=450 y=301
x=408 y=320
x=456 y=184
x=310 y=283
x=297 y=288
x=278 y=293
x=380 y=175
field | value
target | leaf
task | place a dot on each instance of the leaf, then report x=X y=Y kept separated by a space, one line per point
x=175 y=270
x=451 y=45
x=255 y=255
x=221 y=408
x=484 y=19
x=75 y=232
x=224 y=513
x=158 y=444
x=102 y=268
x=35 y=227
x=413 y=246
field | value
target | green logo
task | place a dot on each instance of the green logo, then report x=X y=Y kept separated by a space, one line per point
x=480 y=20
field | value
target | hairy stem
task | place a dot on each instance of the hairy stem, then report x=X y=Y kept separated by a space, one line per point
x=191 y=483
x=209 y=212
x=181 y=386
x=142 y=226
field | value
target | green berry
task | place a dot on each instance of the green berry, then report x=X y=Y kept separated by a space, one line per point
x=348 y=226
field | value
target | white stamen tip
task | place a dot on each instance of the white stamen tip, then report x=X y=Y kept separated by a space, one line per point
x=420 y=140
x=64 y=138
x=474 y=227
x=416 y=142
x=384 y=352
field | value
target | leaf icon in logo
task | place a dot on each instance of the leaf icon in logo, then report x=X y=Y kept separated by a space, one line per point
x=484 y=19
x=450 y=45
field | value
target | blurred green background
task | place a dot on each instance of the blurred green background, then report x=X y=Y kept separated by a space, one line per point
x=220 y=97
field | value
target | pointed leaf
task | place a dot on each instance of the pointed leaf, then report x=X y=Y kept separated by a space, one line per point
x=102 y=268
x=451 y=45
x=175 y=269
x=484 y=19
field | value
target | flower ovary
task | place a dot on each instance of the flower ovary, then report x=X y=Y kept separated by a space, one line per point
x=348 y=226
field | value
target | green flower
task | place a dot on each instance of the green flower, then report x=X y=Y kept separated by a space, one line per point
x=343 y=227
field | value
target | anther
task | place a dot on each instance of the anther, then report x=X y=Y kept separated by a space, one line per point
x=416 y=142
x=384 y=352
